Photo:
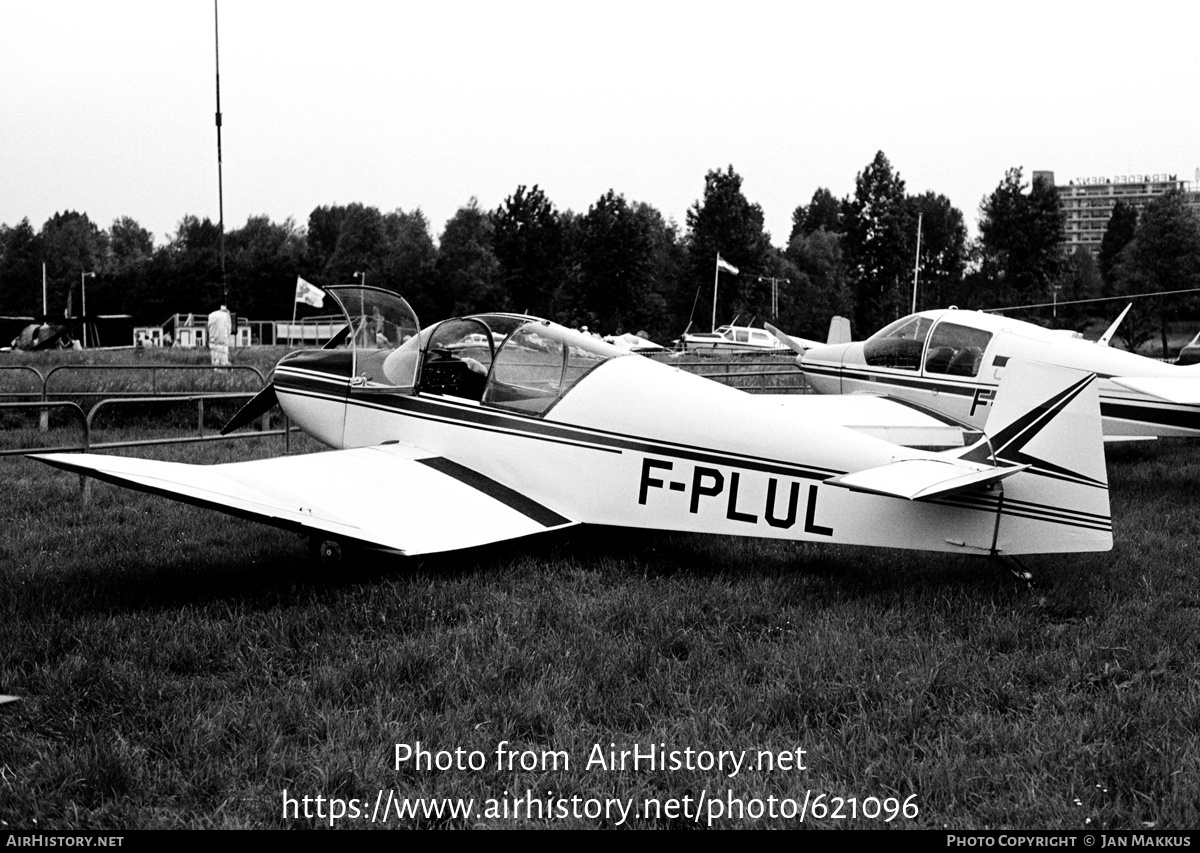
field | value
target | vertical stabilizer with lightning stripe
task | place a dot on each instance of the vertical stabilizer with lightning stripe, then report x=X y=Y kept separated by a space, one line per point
x=1048 y=418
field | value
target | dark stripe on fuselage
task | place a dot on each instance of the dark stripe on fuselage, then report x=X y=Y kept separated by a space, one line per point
x=337 y=363
x=509 y=497
x=1149 y=414
x=866 y=375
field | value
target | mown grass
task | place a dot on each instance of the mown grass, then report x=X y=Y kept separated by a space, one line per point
x=178 y=668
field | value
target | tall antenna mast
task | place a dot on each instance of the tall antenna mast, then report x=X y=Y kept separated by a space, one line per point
x=220 y=184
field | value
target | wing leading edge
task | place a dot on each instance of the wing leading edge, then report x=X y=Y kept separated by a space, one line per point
x=394 y=497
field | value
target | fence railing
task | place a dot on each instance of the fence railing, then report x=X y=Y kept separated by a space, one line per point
x=780 y=377
x=154 y=369
x=89 y=430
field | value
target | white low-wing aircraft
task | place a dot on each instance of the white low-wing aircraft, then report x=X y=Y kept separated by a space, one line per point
x=446 y=440
x=951 y=362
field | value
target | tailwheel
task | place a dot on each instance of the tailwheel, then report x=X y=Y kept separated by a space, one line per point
x=1018 y=569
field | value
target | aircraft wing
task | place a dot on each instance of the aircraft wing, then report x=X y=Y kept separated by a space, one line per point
x=889 y=418
x=1184 y=390
x=394 y=497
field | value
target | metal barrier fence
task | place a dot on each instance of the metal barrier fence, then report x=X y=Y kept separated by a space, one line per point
x=154 y=369
x=87 y=421
x=749 y=375
x=44 y=407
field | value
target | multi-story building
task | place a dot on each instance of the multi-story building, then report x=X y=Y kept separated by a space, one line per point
x=1087 y=203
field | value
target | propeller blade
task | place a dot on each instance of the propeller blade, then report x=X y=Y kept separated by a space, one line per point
x=259 y=405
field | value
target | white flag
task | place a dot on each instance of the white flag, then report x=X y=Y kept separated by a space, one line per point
x=309 y=294
x=723 y=264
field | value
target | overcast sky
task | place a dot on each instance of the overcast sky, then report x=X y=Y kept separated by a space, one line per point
x=108 y=107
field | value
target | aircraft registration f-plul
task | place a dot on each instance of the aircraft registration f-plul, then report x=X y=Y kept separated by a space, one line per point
x=447 y=438
x=952 y=362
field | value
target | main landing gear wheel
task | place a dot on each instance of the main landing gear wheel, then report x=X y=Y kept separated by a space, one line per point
x=325 y=552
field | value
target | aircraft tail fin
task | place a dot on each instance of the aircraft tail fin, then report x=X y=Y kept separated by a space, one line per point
x=1047 y=418
x=839 y=331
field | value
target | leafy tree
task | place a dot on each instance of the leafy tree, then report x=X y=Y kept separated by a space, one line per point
x=880 y=234
x=408 y=261
x=824 y=211
x=263 y=260
x=466 y=265
x=1021 y=236
x=667 y=258
x=726 y=223
x=943 y=251
x=358 y=247
x=530 y=245
x=72 y=245
x=1120 y=230
x=184 y=275
x=818 y=288
x=324 y=226
x=120 y=277
x=1163 y=255
x=1080 y=280
x=20 y=270
x=617 y=270
x=130 y=245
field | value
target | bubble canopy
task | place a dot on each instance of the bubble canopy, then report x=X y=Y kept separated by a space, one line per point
x=509 y=361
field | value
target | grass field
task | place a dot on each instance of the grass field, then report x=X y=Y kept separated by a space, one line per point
x=179 y=668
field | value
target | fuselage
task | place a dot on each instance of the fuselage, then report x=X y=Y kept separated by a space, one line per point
x=952 y=361
x=733 y=339
x=631 y=442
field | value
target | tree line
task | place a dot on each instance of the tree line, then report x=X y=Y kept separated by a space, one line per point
x=622 y=267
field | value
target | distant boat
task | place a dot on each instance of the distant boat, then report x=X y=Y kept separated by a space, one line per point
x=733 y=339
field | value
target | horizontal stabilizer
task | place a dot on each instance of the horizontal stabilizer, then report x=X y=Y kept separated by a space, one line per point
x=259 y=405
x=1184 y=390
x=394 y=497
x=922 y=479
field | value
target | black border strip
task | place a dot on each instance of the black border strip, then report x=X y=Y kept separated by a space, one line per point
x=509 y=497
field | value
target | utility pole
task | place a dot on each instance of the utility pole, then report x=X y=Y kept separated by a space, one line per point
x=774 y=292
x=83 y=277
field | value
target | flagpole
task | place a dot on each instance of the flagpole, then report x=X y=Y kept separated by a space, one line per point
x=916 y=264
x=716 y=278
x=292 y=328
